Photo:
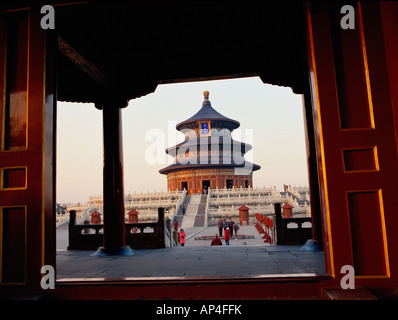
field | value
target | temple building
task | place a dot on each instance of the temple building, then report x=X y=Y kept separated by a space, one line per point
x=209 y=157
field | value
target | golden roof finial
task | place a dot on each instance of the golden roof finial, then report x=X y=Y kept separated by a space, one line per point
x=206 y=95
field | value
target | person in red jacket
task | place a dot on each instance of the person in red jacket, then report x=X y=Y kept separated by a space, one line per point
x=226 y=236
x=181 y=237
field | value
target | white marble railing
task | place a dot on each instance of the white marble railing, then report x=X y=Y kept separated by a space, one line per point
x=294 y=192
x=225 y=191
x=155 y=195
x=259 y=200
x=219 y=201
x=150 y=204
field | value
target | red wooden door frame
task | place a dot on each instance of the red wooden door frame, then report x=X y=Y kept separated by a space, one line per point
x=356 y=146
x=357 y=166
x=27 y=155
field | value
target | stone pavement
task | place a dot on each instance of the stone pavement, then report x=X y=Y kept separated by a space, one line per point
x=192 y=233
x=244 y=257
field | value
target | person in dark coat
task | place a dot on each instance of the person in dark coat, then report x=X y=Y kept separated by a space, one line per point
x=236 y=228
x=231 y=227
x=220 y=226
x=225 y=224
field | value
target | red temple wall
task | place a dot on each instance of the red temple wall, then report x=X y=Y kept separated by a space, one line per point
x=217 y=177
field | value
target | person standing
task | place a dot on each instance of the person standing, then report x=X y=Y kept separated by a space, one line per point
x=225 y=224
x=181 y=237
x=226 y=236
x=183 y=210
x=231 y=227
x=236 y=228
x=220 y=226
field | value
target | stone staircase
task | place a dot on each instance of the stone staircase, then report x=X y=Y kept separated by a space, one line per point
x=200 y=214
x=179 y=216
x=195 y=206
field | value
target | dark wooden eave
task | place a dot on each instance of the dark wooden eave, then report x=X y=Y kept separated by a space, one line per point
x=210 y=142
x=246 y=165
x=137 y=45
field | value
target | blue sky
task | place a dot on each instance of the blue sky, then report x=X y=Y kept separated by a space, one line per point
x=271 y=120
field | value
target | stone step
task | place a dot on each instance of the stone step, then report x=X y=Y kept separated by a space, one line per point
x=240 y=236
x=195 y=211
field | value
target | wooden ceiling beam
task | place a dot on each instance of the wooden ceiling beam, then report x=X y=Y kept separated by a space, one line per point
x=90 y=69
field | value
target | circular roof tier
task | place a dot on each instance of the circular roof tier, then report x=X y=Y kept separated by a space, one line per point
x=212 y=142
x=208 y=113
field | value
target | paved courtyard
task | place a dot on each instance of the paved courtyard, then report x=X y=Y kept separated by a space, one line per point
x=243 y=257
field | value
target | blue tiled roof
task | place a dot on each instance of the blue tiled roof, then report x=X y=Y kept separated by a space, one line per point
x=207 y=112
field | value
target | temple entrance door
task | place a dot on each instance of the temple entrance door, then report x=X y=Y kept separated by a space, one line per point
x=355 y=142
x=27 y=153
x=205 y=185
x=184 y=185
x=230 y=184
